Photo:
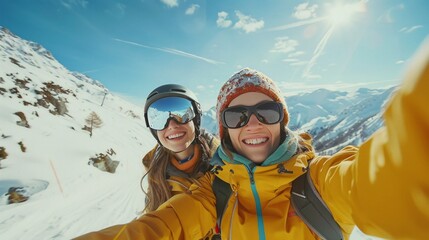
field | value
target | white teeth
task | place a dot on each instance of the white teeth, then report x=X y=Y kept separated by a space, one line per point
x=175 y=135
x=255 y=141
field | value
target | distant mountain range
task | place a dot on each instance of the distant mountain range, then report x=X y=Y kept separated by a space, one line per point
x=336 y=119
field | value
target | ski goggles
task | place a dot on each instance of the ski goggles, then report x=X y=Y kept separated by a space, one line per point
x=160 y=112
x=266 y=112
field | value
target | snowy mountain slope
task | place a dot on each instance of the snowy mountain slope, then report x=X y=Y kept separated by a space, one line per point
x=208 y=120
x=321 y=103
x=67 y=196
x=354 y=124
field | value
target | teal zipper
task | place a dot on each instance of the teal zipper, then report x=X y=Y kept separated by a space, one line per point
x=261 y=228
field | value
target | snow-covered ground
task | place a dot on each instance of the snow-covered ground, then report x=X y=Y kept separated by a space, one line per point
x=68 y=196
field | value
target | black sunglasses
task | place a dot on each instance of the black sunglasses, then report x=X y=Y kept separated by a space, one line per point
x=266 y=112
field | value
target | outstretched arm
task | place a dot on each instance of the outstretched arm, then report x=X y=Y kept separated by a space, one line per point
x=184 y=216
x=396 y=198
x=383 y=187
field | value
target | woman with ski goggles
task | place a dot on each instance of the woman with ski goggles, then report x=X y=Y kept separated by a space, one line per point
x=173 y=115
x=260 y=159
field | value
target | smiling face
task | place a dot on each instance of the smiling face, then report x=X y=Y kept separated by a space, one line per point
x=177 y=138
x=256 y=141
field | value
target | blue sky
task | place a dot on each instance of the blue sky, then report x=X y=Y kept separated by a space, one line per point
x=133 y=46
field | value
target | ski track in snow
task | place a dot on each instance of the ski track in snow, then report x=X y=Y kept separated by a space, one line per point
x=78 y=209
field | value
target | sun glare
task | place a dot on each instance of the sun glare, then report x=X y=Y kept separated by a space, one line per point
x=341 y=14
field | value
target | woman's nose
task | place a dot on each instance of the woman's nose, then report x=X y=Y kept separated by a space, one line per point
x=172 y=123
x=253 y=121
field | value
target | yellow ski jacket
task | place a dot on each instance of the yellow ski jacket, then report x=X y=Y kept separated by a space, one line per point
x=382 y=186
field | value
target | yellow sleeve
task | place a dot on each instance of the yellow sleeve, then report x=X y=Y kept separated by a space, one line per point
x=146 y=227
x=395 y=163
x=383 y=187
x=182 y=217
x=333 y=179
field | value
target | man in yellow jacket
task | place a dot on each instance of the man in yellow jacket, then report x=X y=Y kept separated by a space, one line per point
x=382 y=186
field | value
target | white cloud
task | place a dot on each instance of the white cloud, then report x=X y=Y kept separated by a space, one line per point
x=285 y=45
x=191 y=10
x=410 y=29
x=290 y=60
x=309 y=75
x=171 y=51
x=247 y=23
x=296 y=54
x=201 y=87
x=222 y=20
x=300 y=63
x=305 y=11
x=297 y=24
x=170 y=3
x=121 y=7
x=387 y=16
x=264 y=61
x=400 y=62
x=71 y=3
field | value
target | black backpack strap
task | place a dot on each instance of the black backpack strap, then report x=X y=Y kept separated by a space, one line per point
x=310 y=207
x=222 y=191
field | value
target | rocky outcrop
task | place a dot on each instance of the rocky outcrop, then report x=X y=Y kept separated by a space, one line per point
x=23 y=122
x=16 y=195
x=104 y=162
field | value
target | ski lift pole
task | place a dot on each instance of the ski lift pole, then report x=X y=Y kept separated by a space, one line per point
x=105 y=93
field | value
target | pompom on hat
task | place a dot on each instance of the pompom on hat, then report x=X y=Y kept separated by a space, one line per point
x=247 y=80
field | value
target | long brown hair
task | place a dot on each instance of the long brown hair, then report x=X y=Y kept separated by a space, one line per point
x=159 y=190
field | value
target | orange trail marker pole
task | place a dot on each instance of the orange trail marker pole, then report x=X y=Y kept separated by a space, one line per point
x=56 y=176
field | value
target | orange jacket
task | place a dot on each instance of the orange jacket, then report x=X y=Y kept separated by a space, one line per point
x=382 y=186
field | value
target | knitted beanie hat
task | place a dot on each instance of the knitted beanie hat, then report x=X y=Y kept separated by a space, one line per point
x=247 y=80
